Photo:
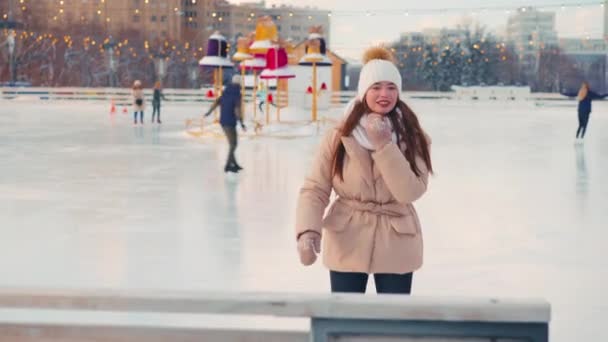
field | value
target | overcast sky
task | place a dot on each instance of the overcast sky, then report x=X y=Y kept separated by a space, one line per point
x=352 y=30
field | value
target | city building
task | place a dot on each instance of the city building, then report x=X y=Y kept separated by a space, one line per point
x=583 y=60
x=411 y=39
x=190 y=21
x=530 y=31
x=434 y=36
x=234 y=20
x=606 y=19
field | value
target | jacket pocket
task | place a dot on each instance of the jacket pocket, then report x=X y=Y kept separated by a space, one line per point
x=407 y=224
x=338 y=217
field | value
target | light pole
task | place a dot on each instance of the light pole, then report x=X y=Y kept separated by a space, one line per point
x=161 y=65
x=11 y=56
x=11 y=46
x=11 y=42
x=193 y=73
x=108 y=46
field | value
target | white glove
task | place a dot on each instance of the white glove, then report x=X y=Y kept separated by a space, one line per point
x=378 y=130
x=309 y=245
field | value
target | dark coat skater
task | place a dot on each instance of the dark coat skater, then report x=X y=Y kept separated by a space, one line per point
x=230 y=113
x=584 y=96
x=156 y=102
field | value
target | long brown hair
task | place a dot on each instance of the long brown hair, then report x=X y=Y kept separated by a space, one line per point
x=408 y=130
x=582 y=92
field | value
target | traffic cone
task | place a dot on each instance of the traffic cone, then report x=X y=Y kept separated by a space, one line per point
x=210 y=94
x=124 y=110
x=112 y=108
x=270 y=99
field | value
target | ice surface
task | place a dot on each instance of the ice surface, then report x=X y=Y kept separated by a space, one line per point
x=87 y=200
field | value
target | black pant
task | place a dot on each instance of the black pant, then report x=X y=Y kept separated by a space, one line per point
x=232 y=137
x=357 y=282
x=583 y=120
x=262 y=104
x=141 y=116
x=155 y=110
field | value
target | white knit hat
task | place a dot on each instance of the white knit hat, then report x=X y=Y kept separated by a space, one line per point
x=378 y=67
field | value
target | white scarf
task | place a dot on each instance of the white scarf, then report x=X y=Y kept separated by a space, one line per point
x=360 y=134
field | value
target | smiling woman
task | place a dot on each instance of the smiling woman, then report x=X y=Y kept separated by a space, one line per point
x=377 y=160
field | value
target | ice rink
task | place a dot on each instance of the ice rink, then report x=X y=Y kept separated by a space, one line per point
x=516 y=209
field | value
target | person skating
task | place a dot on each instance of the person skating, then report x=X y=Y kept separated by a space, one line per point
x=156 y=100
x=262 y=95
x=584 y=96
x=230 y=113
x=377 y=160
x=138 y=102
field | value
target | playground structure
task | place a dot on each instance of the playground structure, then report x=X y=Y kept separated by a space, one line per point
x=266 y=57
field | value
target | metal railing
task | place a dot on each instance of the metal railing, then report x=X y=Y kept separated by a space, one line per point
x=123 y=95
x=332 y=315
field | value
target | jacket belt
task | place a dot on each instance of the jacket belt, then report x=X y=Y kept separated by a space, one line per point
x=391 y=209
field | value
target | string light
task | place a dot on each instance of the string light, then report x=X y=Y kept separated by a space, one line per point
x=484 y=10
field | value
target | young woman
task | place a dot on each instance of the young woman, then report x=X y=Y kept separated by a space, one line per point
x=138 y=102
x=158 y=94
x=377 y=160
x=584 y=96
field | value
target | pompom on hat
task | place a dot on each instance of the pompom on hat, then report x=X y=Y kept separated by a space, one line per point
x=378 y=66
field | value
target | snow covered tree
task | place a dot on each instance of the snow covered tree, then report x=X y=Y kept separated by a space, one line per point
x=548 y=71
x=456 y=64
x=430 y=69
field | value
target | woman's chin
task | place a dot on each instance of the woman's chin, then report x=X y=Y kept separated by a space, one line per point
x=381 y=111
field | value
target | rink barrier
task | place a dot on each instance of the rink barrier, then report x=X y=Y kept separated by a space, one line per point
x=332 y=316
x=122 y=96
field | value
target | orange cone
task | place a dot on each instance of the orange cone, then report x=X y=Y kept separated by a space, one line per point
x=112 y=108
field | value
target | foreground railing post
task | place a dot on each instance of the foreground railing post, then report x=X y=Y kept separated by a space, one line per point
x=322 y=329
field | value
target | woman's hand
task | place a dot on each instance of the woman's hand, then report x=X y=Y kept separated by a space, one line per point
x=309 y=245
x=378 y=130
